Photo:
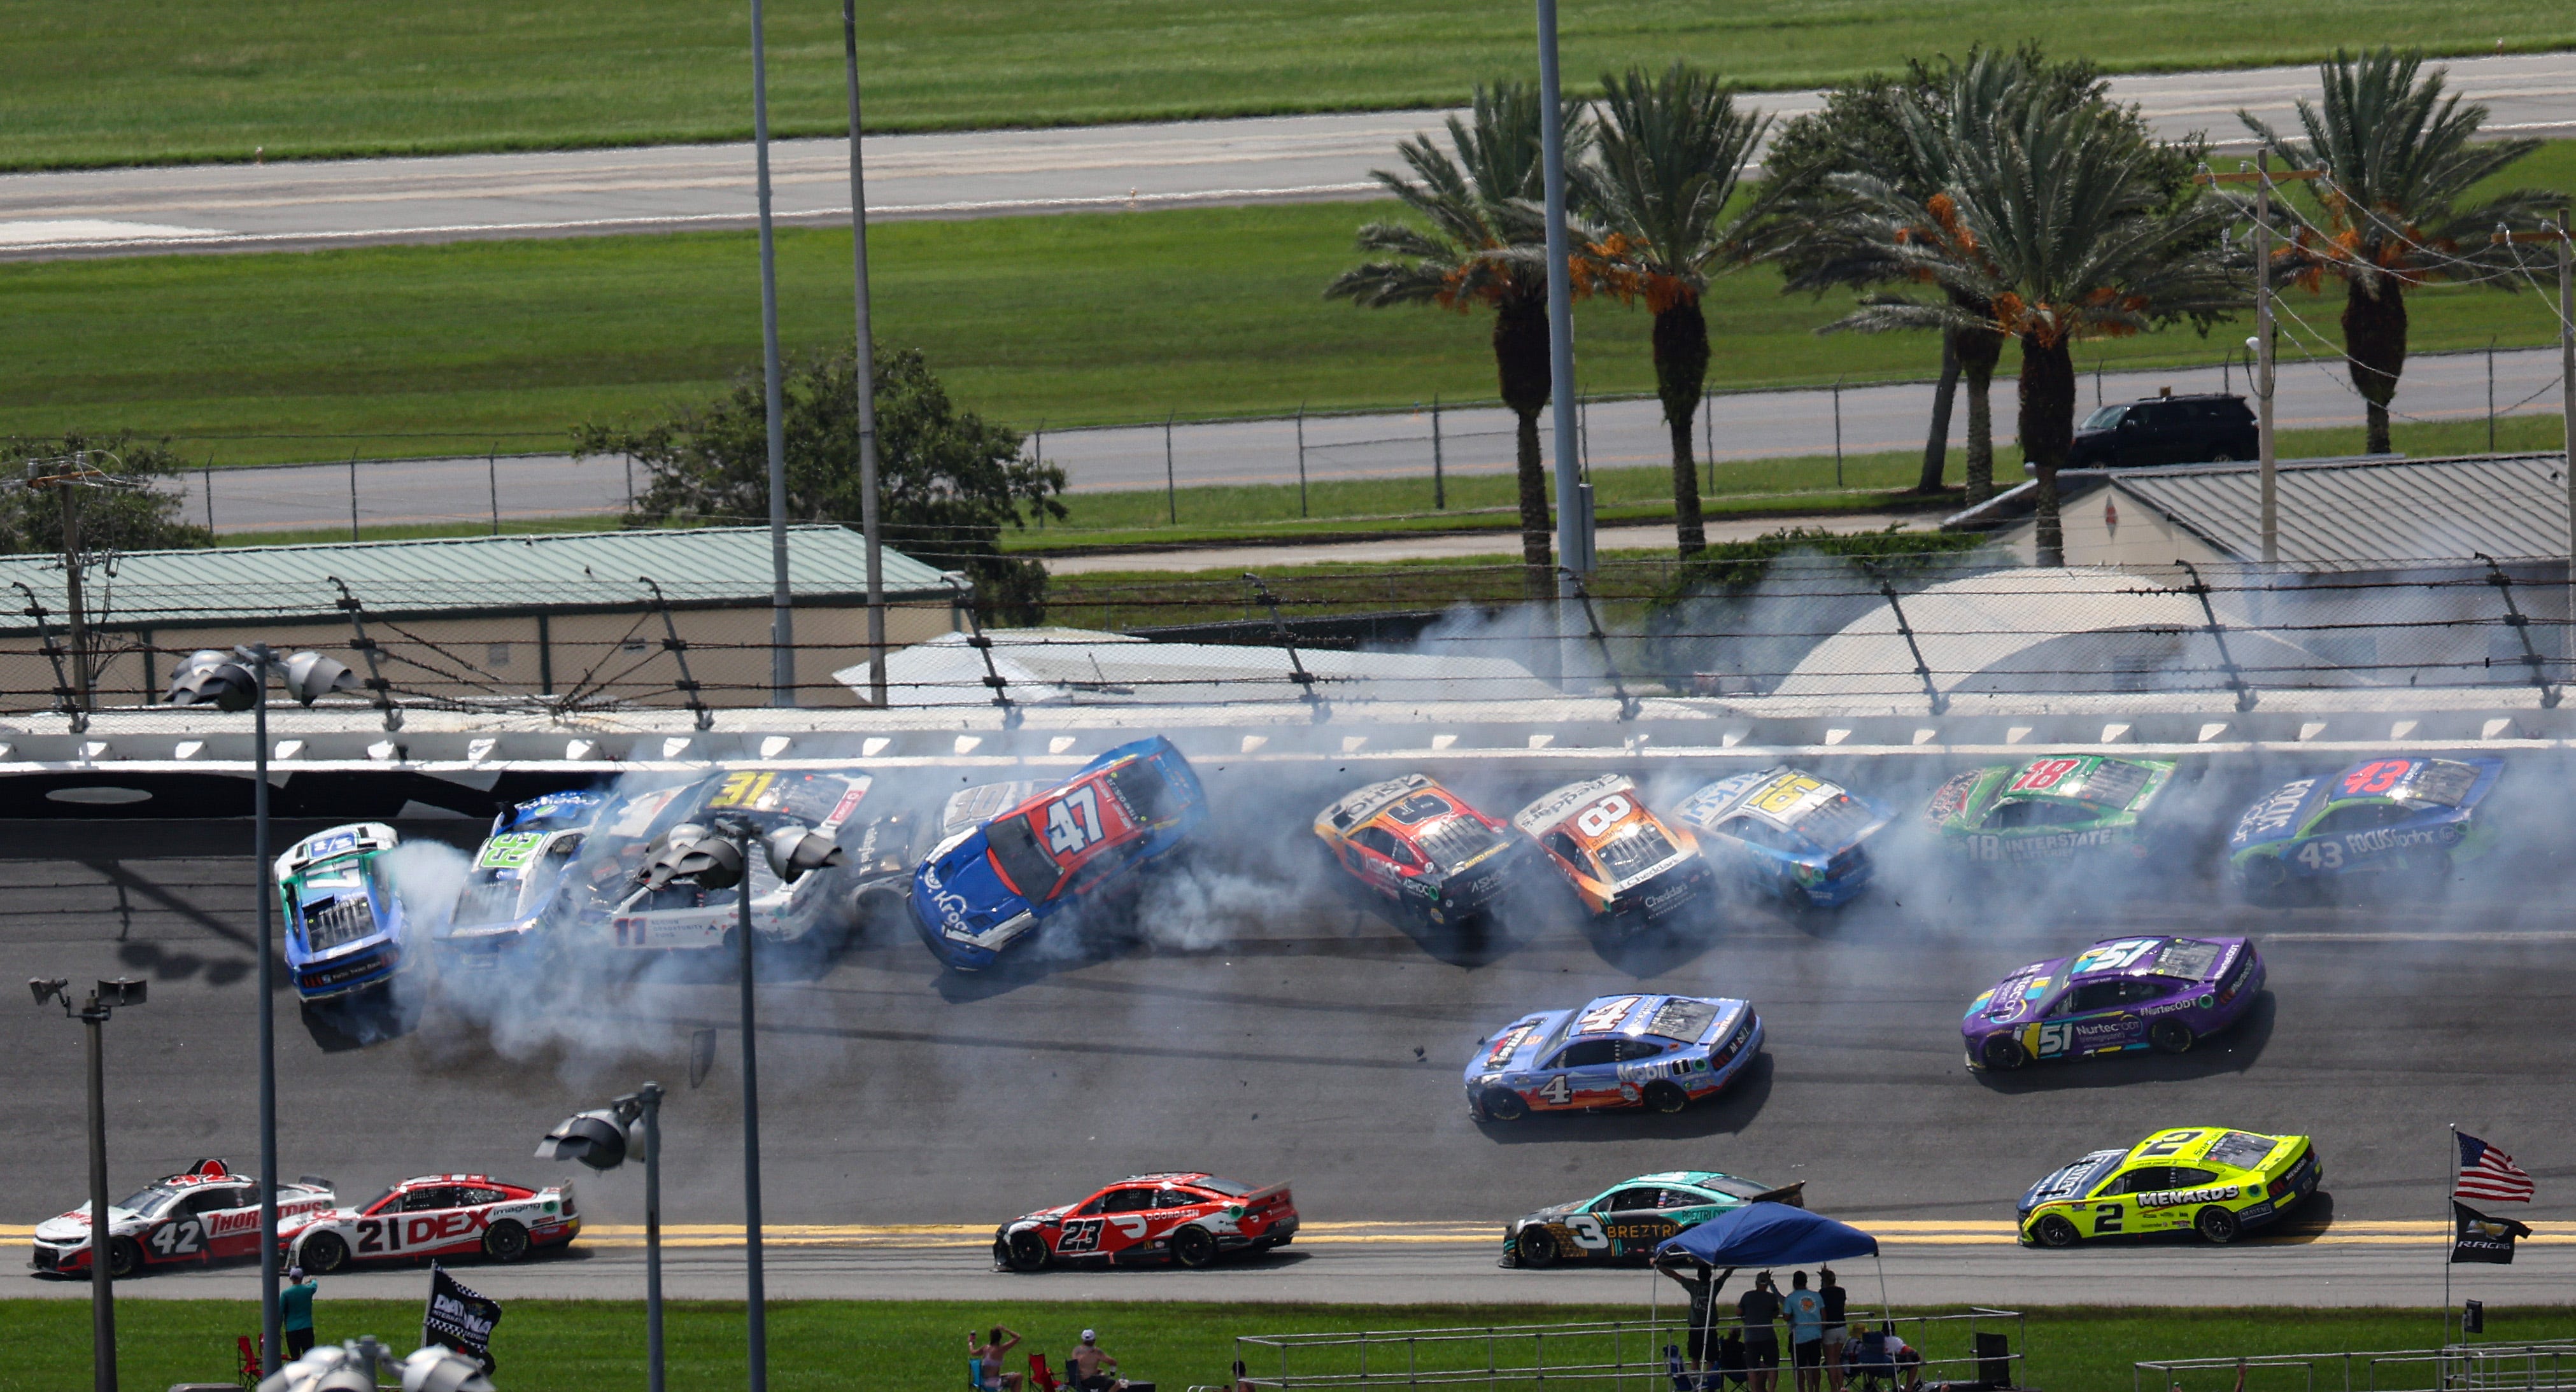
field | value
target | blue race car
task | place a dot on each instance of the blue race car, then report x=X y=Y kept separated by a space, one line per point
x=1662 y=1052
x=1787 y=832
x=986 y=887
x=344 y=923
x=510 y=893
x=2398 y=814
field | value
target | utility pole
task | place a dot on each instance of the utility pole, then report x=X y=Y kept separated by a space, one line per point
x=1573 y=535
x=2262 y=178
x=92 y=1014
x=869 y=525
x=782 y=621
x=2564 y=237
x=65 y=478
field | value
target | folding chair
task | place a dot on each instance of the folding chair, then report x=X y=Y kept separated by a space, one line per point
x=1040 y=1376
x=975 y=1375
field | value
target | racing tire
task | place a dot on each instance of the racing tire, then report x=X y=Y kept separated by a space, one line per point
x=1025 y=1252
x=2216 y=1226
x=323 y=1253
x=2055 y=1230
x=2264 y=882
x=1536 y=1247
x=2171 y=1037
x=1665 y=1095
x=505 y=1241
x=2002 y=1053
x=124 y=1258
x=1503 y=1104
x=1194 y=1247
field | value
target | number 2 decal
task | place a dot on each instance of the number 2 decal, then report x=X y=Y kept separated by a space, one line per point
x=2377 y=777
x=2043 y=775
x=1073 y=821
x=2106 y=1218
x=1603 y=815
x=1557 y=1090
x=2169 y=1143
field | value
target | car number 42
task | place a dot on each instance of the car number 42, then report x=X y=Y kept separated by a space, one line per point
x=178 y=1239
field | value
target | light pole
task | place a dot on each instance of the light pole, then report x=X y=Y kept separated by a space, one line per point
x=102 y=1244
x=600 y=1139
x=719 y=857
x=782 y=636
x=867 y=374
x=238 y=681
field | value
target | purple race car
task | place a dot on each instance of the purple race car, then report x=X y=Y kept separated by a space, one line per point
x=2116 y=996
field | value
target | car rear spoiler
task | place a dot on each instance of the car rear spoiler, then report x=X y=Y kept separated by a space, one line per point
x=1273 y=1191
x=1794 y=1195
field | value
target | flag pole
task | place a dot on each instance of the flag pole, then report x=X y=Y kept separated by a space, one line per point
x=2450 y=1224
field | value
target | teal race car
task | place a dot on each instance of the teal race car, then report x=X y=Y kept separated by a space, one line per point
x=1624 y=1222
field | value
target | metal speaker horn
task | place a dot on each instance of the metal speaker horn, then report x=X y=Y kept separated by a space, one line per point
x=796 y=851
x=310 y=676
x=593 y=1138
x=435 y=1369
x=211 y=678
x=693 y=853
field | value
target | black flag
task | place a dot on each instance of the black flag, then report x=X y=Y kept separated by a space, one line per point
x=2478 y=1238
x=458 y=1318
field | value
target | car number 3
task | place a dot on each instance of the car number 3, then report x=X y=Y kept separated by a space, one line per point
x=178 y=1239
x=1074 y=821
x=1587 y=1232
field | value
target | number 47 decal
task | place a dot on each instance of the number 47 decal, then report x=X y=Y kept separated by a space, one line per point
x=1073 y=821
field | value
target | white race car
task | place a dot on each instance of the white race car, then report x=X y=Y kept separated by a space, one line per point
x=445 y=1215
x=205 y=1213
x=817 y=908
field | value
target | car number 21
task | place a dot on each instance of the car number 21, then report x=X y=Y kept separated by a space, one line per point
x=1073 y=821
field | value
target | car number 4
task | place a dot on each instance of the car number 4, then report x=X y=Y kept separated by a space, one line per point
x=1558 y=1090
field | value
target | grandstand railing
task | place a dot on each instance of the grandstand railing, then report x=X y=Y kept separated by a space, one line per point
x=2547 y=1366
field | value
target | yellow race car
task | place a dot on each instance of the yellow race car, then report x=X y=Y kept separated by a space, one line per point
x=2203 y=1179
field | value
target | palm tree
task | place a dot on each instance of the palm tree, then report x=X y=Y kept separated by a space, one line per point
x=1670 y=157
x=1485 y=244
x=2058 y=226
x=2397 y=160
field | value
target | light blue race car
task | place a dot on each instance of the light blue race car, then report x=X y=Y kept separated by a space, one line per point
x=1653 y=1051
x=510 y=893
x=985 y=887
x=1787 y=832
x=345 y=925
x=2399 y=815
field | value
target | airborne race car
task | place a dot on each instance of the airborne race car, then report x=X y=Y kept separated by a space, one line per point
x=2201 y=1179
x=451 y=1215
x=1623 y=862
x=1422 y=851
x=2394 y=815
x=2054 y=808
x=982 y=889
x=1786 y=832
x=509 y=892
x=345 y=924
x=1186 y=1216
x=203 y=1214
x=1660 y=1052
x=1625 y=1221
x=2116 y=996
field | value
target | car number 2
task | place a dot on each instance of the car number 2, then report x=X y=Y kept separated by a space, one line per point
x=1558 y=1090
x=2106 y=1218
x=180 y=1239
x=1073 y=821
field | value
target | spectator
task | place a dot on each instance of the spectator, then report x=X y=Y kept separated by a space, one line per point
x=989 y=1353
x=1806 y=1312
x=1703 y=1283
x=295 y=1308
x=1730 y=1361
x=1837 y=1330
x=1092 y=1369
x=1759 y=1309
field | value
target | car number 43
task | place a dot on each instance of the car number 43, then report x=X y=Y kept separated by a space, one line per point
x=2322 y=855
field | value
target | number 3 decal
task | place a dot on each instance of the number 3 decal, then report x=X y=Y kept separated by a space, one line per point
x=1603 y=815
x=1587 y=1232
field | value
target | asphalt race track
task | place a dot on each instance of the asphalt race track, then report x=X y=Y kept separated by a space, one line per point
x=1255 y=1022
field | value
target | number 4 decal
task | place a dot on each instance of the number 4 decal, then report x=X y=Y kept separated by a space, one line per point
x=1557 y=1090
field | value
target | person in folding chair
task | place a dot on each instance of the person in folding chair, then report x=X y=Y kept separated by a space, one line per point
x=1092 y=1368
x=1703 y=1282
x=984 y=1360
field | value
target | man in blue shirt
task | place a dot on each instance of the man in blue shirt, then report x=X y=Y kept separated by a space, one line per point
x=1806 y=1311
x=295 y=1305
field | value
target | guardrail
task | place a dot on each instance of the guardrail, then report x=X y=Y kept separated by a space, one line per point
x=2547 y=1366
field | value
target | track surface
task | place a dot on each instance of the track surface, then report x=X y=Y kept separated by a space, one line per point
x=1273 y=1032
x=986 y=173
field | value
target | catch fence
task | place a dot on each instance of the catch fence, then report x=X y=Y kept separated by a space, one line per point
x=2548 y=1366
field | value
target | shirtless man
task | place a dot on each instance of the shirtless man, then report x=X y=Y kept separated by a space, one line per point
x=989 y=1352
x=1093 y=1370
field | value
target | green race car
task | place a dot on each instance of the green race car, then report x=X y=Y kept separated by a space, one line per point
x=1626 y=1220
x=2200 y=1179
x=2052 y=808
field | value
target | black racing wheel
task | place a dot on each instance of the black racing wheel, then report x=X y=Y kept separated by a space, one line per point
x=124 y=1257
x=1537 y=1246
x=1025 y=1251
x=2171 y=1036
x=1503 y=1104
x=505 y=1241
x=2002 y=1053
x=323 y=1253
x=1665 y=1095
x=2216 y=1226
x=2055 y=1230
x=1193 y=1247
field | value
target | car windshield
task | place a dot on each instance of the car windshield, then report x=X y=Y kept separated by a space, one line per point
x=2442 y=783
x=147 y=1202
x=1836 y=824
x=2103 y=418
x=1637 y=847
x=1140 y=785
x=2240 y=1150
x=370 y=1205
x=2189 y=958
x=1683 y=1020
x=1023 y=860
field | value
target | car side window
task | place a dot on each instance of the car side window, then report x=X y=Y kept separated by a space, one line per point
x=468 y=1197
x=2141 y=1180
x=1585 y=1053
x=1563 y=848
x=2092 y=995
x=1095 y=1206
x=1174 y=1198
x=1627 y=1200
x=423 y=1200
x=2185 y=1177
x=2360 y=816
x=1129 y=1201
x=212 y=1200
x=2028 y=813
x=1624 y=1050
x=1374 y=839
x=2147 y=988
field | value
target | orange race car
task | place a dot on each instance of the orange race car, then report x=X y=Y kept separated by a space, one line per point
x=1627 y=865
x=1422 y=850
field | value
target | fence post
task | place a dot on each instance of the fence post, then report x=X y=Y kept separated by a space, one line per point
x=2491 y=343
x=977 y=639
x=210 y=498
x=1439 y=485
x=2218 y=635
x=1627 y=703
x=1171 y=489
x=53 y=652
x=492 y=472
x=2520 y=623
x=679 y=651
x=1708 y=434
x=367 y=646
x=1037 y=456
x=1315 y=706
x=1301 y=459
x=1922 y=670
x=353 y=495
x=1838 y=432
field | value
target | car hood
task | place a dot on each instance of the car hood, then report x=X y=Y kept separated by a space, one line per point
x=1041 y=1216
x=74 y=1226
x=2069 y=1181
x=2277 y=815
x=1516 y=1045
x=1551 y=1213
x=959 y=894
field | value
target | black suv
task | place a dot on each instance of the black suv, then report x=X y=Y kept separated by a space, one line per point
x=2203 y=429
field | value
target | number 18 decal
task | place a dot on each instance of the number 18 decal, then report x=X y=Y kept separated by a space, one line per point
x=2043 y=775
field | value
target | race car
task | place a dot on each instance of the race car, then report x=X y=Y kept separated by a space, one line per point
x=2202 y=1179
x=440 y=1215
x=510 y=892
x=345 y=924
x=1423 y=851
x=984 y=888
x=1187 y=1216
x=1613 y=1051
x=1787 y=832
x=1626 y=1220
x=2117 y=996
x=2397 y=814
x=2052 y=808
x=1624 y=863
x=205 y=1213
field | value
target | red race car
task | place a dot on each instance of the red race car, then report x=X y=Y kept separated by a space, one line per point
x=1423 y=850
x=205 y=1214
x=451 y=1215
x=1186 y=1217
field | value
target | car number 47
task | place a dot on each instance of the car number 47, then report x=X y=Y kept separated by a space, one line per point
x=1073 y=821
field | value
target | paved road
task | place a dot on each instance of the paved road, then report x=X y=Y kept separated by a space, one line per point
x=1618 y=434
x=1259 y=1026
x=574 y=193
x=1487 y=543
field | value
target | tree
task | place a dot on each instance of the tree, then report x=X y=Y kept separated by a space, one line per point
x=134 y=517
x=1482 y=241
x=2397 y=161
x=1668 y=161
x=2057 y=226
x=948 y=480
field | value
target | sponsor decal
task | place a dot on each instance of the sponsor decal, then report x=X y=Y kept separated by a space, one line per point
x=1951 y=798
x=1992 y=848
x=2392 y=839
x=2272 y=815
x=1509 y=1042
x=2174 y=1198
x=1673 y=894
x=1564 y=802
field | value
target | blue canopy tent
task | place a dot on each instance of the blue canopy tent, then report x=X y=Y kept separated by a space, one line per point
x=1761 y=1235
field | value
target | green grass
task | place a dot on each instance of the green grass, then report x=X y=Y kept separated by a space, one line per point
x=209 y=80
x=1085 y=319
x=920 y=1345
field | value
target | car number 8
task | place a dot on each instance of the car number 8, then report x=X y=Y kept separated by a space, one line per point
x=1603 y=815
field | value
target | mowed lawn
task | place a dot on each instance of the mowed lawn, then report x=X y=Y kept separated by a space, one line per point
x=1056 y=321
x=216 y=79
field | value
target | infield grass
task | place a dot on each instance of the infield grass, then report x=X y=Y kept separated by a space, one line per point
x=300 y=78
x=816 y=1345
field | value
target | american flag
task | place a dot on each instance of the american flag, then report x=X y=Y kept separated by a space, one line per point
x=2489 y=1173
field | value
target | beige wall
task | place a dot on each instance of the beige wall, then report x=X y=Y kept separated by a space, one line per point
x=2143 y=536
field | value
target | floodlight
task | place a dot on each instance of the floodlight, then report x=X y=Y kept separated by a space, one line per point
x=310 y=676
x=593 y=1138
x=45 y=988
x=693 y=852
x=435 y=1369
x=211 y=678
x=125 y=990
x=795 y=850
